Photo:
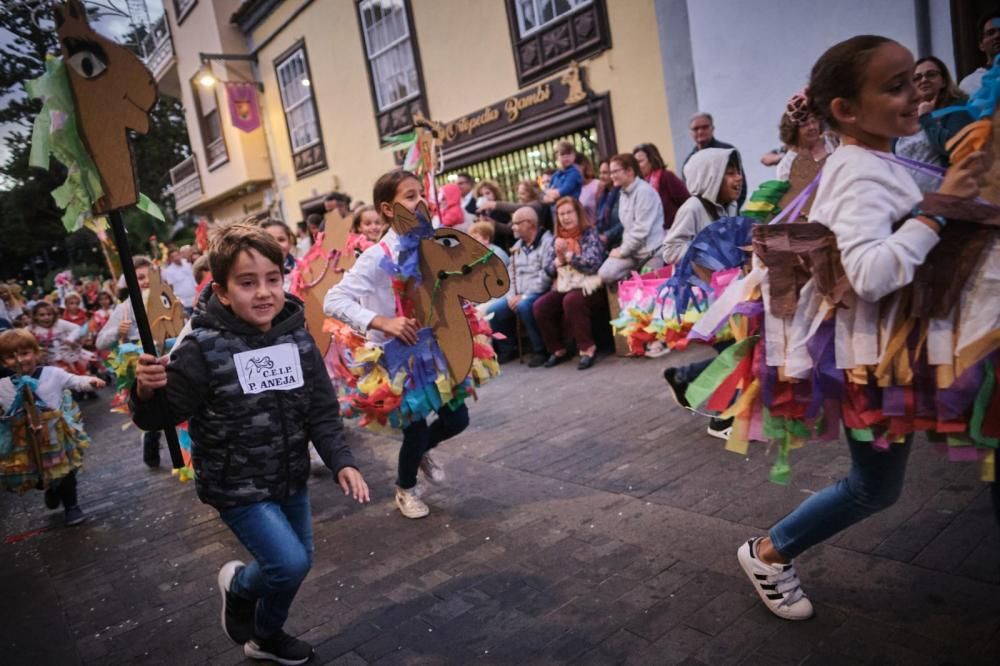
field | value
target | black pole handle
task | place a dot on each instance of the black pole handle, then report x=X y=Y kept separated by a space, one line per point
x=145 y=332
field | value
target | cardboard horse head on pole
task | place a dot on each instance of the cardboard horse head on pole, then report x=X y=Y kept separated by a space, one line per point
x=454 y=267
x=114 y=93
x=323 y=268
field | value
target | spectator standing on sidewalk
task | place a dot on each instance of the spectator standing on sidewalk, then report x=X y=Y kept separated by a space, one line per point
x=703 y=132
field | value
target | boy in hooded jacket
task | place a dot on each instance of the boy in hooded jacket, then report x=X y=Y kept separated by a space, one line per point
x=715 y=179
x=254 y=389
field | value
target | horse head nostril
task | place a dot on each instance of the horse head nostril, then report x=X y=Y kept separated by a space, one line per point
x=466 y=269
x=499 y=282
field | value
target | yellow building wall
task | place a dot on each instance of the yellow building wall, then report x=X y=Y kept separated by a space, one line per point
x=339 y=81
x=206 y=28
x=468 y=63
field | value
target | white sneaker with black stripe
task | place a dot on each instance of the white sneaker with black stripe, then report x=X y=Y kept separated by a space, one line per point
x=777 y=584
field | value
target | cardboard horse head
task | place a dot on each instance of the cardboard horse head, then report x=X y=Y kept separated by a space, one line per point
x=114 y=93
x=166 y=313
x=324 y=269
x=453 y=266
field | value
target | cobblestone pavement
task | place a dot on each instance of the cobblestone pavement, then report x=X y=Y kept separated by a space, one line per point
x=585 y=520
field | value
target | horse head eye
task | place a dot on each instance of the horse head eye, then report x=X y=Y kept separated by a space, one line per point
x=165 y=301
x=87 y=64
x=447 y=241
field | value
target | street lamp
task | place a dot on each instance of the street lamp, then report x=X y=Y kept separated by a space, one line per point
x=207 y=79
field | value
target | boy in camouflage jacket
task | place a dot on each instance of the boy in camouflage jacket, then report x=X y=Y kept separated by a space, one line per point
x=254 y=389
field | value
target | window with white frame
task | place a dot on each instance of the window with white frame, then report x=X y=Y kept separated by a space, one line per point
x=297 y=100
x=535 y=14
x=389 y=50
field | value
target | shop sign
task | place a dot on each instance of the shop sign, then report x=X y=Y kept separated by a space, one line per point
x=540 y=100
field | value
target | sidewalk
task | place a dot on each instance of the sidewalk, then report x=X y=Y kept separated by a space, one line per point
x=586 y=520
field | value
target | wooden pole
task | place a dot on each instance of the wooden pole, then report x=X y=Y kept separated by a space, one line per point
x=142 y=323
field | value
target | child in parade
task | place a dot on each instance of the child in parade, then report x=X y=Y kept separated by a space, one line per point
x=482 y=230
x=73 y=310
x=60 y=339
x=251 y=383
x=365 y=300
x=863 y=89
x=283 y=234
x=51 y=457
x=367 y=228
x=120 y=328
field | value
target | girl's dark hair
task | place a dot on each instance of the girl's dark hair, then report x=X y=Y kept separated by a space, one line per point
x=586 y=166
x=734 y=161
x=652 y=154
x=385 y=187
x=840 y=72
x=951 y=92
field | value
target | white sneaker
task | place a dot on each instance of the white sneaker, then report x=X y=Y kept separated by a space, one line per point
x=432 y=469
x=409 y=504
x=656 y=350
x=777 y=584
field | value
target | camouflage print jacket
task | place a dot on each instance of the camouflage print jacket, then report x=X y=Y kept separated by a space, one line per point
x=253 y=402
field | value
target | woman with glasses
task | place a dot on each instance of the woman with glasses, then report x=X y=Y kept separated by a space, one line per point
x=937 y=90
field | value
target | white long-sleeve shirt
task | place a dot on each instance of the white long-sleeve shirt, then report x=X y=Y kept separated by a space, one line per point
x=860 y=197
x=51 y=384
x=365 y=291
x=108 y=335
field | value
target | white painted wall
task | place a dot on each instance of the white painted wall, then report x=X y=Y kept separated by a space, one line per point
x=749 y=56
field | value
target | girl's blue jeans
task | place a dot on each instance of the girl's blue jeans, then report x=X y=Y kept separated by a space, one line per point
x=873 y=483
x=279 y=536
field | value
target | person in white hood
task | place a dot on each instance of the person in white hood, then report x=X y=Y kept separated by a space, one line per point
x=715 y=180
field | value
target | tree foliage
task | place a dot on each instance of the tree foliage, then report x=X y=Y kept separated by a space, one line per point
x=30 y=222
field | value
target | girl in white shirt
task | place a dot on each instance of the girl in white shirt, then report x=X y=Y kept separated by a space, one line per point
x=862 y=88
x=365 y=300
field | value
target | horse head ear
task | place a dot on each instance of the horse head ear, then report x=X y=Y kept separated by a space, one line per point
x=403 y=221
x=76 y=10
x=58 y=17
x=423 y=210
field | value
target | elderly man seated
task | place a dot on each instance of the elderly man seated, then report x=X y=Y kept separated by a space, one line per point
x=528 y=281
x=641 y=213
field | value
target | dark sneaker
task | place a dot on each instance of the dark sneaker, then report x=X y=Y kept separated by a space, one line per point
x=720 y=428
x=52 y=500
x=536 y=360
x=237 y=612
x=74 y=516
x=151 y=449
x=586 y=362
x=676 y=387
x=280 y=648
x=506 y=356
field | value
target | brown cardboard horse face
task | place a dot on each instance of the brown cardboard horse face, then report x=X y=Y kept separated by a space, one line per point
x=114 y=92
x=166 y=313
x=463 y=268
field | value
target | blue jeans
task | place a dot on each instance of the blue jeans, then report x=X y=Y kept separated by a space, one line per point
x=279 y=536
x=419 y=438
x=503 y=321
x=873 y=483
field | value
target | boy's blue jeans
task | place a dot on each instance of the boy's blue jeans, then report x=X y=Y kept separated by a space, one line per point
x=873 y=483
x=419 y=438
x=503 y=321
x=279 y=536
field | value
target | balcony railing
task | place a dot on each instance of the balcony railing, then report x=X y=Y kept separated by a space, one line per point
x=215 y=153
x=185 y=183
x=156 y=47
